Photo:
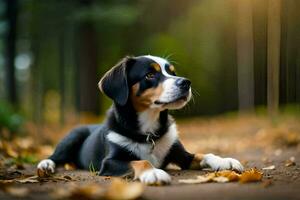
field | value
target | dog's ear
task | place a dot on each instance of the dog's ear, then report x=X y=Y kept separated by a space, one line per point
x=114 y=83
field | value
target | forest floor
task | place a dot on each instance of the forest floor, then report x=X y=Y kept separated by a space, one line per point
x=254 y=140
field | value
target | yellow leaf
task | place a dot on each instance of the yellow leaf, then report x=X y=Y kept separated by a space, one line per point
x=122 y=190
x=220 y=179
x=251 y=175
x=17 y=191
x=69 y=166
x=231 y=175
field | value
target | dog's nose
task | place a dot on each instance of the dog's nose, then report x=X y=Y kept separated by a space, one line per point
x=183 y=83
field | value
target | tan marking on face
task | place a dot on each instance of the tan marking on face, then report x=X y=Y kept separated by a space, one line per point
x=146 y=99
x=156 y=67
x=140 y=166
x=196 y=162
x=172 y=68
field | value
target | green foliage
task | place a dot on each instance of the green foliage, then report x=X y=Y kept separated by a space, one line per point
x=9 y=119
x=198 y=37
x=108 y=14
x=92 y=169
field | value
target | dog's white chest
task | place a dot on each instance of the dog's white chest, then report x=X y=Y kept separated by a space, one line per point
x=154 y=155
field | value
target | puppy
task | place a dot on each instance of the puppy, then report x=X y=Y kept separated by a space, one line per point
x=139 y=136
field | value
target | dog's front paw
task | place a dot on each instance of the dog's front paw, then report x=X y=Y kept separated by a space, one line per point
x=155 y=177
x=45 y=168
x=217 y=163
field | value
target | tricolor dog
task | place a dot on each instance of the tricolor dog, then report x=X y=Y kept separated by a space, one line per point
x=139 y=136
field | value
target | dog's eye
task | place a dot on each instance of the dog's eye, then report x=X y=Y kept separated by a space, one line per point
x=150 y=76
x=170 y=69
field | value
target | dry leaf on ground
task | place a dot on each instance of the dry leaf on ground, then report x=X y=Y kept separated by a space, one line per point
x=69 y=166
x=43 y=173
x=199 y=179
x=72 y=191
x=122 y=190
x=30 y=179
x=290 y=162
x=251 y=175
x=224 y=176
x=231 y=175
x=221 y=179
x=37 y=179
x=271 y=167
x=117 y=190
x=17 y=191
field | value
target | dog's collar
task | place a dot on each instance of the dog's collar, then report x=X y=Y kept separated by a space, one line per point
x=119 y=123
x=149 y=137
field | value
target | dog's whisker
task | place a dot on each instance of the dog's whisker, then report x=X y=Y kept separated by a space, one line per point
x=168 y=56
x=195 y=92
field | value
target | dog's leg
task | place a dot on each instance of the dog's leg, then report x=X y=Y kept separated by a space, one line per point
x=142 y=170
x=178 y=155
x=114 y=167
x=217 y=163
x=66 y=151
x=148 y=174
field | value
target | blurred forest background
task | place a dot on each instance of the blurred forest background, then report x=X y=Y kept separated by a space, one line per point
x=241 y=55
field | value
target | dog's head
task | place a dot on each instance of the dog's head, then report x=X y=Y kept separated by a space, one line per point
x=149 y=82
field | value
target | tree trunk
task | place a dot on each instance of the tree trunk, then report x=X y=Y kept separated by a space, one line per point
x=245 y=55
x=62 y=77
x=87 y=94
x=274 y=30
x=11 y=15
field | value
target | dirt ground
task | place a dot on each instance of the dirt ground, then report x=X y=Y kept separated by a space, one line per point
x=255 y=141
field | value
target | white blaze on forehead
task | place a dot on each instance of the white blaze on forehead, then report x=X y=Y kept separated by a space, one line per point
x=162 y=62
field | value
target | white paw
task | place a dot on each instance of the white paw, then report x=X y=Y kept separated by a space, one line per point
x=217 y=163
x=47 y=166
x=155 y=177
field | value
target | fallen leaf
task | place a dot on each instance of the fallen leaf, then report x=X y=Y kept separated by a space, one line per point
x=271 y=167
x=69 y=166
x=30 y=179
x=117 y=190
x=231 y=175
x=290 y=162
x=43 y=173
x=8 y=174
x=122 y=190
x=72 y=191
x=199 y=179
x=220 y=179
x=251 y=175
x=6 y=181
x=11 y=152
x=37 y=179
x=17 y=191
x=67 y=177
x=91 y=191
